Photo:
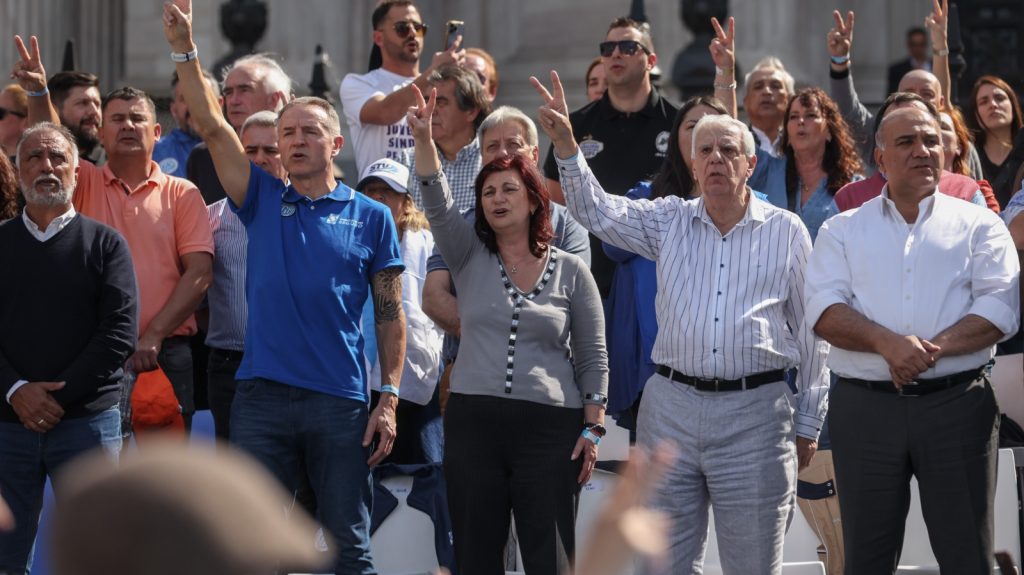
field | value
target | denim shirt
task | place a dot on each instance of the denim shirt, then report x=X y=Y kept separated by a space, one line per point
x=769 y=177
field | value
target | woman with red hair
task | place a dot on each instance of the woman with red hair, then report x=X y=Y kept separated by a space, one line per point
x=528 y=393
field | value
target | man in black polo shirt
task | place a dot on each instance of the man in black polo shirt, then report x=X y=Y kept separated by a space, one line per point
x=624 y=135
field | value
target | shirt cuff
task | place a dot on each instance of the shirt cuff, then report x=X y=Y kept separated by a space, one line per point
x=997 y=313
x=570 y=161
x=17 y=385
x=808 y=426
x=817 y=305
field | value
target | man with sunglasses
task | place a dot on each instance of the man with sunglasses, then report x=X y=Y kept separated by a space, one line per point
x=624 y=135
x=13 y=114
x=375 y=103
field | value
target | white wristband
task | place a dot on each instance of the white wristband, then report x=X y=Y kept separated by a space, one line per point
x=181 y=57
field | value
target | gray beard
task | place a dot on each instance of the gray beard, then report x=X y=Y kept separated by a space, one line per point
x=59 y=197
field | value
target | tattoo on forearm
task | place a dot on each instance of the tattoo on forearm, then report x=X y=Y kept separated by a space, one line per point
x=387 y=295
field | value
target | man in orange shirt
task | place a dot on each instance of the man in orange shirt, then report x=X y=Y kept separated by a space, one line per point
x=163 y=219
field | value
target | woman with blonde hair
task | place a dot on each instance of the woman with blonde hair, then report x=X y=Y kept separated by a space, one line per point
x=418 y=414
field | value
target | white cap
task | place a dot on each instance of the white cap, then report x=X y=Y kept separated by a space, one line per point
x=391 y=172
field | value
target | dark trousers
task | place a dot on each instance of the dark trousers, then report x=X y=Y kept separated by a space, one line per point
x=175 y=358
x=222 y=364
x=298 y=433
x=505 y=455
x=949 y=441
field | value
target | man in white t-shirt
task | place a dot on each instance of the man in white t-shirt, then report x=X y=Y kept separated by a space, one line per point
x=375 y=103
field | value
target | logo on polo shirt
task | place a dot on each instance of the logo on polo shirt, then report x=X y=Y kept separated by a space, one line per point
x=169 y=165
x=661 y=143
x=287 y=209
x=335 y=219
x=591 y=148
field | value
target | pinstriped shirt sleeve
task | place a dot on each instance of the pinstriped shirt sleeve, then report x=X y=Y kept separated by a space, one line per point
x=628 y=224
x=812 y=375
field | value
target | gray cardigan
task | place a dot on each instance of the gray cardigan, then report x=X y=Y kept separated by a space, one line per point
x=558 y=355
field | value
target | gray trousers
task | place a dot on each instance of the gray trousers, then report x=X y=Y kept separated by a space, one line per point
x=737 y=454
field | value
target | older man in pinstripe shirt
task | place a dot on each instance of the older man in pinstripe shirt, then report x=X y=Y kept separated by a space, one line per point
x=226 y=297
x=730 y=314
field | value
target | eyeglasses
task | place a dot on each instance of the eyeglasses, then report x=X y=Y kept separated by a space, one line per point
x=403 y=28
x=626 y=48
x=5 y=111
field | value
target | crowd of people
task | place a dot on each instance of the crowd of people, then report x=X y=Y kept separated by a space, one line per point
x=805 y=307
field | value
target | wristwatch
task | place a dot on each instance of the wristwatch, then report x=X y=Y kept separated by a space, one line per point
x=596 y=428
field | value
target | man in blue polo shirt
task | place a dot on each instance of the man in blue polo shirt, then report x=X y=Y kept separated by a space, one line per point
x=315 y=248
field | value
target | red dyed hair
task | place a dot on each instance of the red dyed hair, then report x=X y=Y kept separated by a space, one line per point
x=540 y=221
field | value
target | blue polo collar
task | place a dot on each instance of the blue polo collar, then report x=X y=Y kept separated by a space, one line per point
x=340 y=193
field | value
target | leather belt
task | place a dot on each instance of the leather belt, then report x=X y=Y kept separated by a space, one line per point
x=918 y=387
x=748 y=382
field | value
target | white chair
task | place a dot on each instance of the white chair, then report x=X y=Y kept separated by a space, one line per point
x=404 y=542
x=1008 y=384
x=917 y=556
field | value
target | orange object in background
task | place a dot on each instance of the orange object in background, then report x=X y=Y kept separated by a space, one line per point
x=154 y=405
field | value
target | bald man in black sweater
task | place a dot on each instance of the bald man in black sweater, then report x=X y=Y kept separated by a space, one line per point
x=68 y=322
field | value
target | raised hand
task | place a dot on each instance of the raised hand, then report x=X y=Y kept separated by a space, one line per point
x=28 y=70
x=453 y=55
x=840 y=38
x=178 y=25
x=937 y=23
x=420 y=115
x=554 y=116
x=723 y=46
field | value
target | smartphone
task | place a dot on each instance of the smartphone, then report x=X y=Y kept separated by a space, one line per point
x=452 y=30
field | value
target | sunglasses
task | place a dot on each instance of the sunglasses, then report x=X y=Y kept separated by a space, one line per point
x=404 y=27
x=5 y=111
x=626 y=48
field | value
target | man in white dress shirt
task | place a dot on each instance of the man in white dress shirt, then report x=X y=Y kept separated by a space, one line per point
x=913 y=290
x=730 y=283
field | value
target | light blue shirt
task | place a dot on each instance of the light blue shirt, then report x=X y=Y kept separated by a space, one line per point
x=769 y=177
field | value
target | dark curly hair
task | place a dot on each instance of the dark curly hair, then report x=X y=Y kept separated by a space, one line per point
x=540 y=220
x=674 y=178
x=841 y=161
x=9 y=196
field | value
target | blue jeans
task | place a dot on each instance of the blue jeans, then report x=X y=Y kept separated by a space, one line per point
x=27 y=458
x=286 y=428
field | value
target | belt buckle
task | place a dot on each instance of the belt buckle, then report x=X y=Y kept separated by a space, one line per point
x=910 y=383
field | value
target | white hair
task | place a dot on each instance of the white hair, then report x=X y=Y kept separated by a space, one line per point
x=60 y=131
x=509 y=114
x=725 y=122
x=275 y=79
x=261 y=119
x=771 y=63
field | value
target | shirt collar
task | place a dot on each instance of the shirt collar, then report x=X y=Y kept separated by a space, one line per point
x=924 y=207
x=755 y=210
x=56 y=224
x=609 y=111
x=340 y=193
x=471 y=149
x=155 y=178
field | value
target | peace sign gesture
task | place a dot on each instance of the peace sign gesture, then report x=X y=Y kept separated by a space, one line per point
x=419 y=116
x=840 y=38
x=29 y=71
x=937 y=23
x=723 y=46
x=554 y=116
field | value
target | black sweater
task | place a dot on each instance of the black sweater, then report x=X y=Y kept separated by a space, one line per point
x=68 y=312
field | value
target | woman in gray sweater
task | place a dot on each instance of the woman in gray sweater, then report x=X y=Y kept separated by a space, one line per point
x=526 y=410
